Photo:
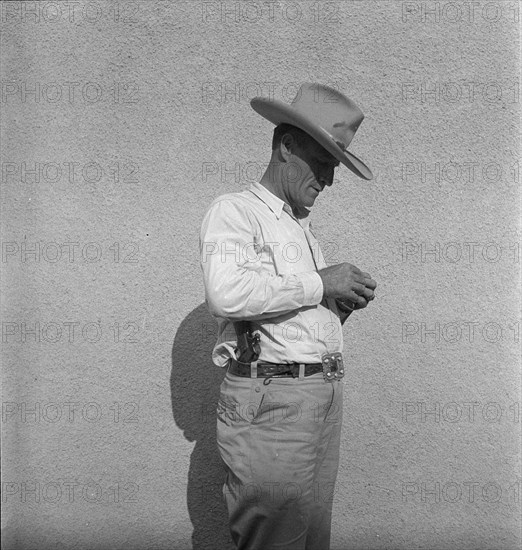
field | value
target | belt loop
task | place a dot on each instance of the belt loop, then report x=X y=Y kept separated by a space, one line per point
x=253 y=369
x=301 y=371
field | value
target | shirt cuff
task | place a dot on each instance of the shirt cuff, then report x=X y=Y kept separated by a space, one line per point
x=312 y=287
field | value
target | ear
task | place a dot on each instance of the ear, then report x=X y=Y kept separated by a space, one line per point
x=286 y=146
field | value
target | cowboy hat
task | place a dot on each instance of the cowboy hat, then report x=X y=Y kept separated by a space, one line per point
x=325 y=114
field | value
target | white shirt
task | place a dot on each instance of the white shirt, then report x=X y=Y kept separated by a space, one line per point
x=260 y=264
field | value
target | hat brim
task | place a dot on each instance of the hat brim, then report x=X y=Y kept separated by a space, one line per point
x=279 y=112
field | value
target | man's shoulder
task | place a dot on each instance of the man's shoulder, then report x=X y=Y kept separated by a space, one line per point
x=238 y=199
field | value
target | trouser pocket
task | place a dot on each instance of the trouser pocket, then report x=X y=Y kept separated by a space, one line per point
x=240 y=399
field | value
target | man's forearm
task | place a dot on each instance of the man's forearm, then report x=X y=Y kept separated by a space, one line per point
x=247 y=295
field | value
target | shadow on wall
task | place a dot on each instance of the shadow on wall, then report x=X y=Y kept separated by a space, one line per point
x=194 y=390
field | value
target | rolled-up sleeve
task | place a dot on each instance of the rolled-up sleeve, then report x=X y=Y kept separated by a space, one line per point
x=236 y=285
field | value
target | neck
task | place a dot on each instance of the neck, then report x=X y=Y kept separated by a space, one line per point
x=274 y=180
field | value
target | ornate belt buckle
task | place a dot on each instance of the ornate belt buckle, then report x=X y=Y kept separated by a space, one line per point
x=333 y=367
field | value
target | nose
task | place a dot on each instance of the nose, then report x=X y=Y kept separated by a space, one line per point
x=325 y=176
x=323 y=182
x=327 y=179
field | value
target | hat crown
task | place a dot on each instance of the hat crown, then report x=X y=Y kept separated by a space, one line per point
x=329 y=109
x=325 y=114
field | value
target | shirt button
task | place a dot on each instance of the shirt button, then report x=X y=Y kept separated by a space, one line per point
x=258 y=389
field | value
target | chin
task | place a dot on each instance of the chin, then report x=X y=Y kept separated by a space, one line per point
x=307 y=208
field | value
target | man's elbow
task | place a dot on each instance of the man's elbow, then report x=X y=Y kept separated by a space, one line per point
x=227 y=307
x=234 y=306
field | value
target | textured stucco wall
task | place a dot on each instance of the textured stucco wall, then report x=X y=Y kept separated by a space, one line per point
x=135 y=115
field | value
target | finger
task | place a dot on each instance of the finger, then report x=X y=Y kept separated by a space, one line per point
x=352 y=296
x=354 y=269
x=361 y=302
x=348 y=304
x=368 y=294
x=368 y=279
x=370 y=283
x=359 y=288
x=358 y=277
x=355 y=299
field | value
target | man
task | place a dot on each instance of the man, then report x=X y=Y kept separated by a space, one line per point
x=280 y=310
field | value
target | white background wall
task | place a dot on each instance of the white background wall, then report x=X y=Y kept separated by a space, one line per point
x=135 y=116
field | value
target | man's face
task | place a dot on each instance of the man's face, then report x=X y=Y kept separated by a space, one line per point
x=311 y=168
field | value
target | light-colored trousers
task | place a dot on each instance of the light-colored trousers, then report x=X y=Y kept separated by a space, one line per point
x=279 y=439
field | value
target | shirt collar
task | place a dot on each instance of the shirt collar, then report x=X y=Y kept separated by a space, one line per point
x=276 y=204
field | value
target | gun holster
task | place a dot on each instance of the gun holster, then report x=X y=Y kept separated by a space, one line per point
x=248 y=348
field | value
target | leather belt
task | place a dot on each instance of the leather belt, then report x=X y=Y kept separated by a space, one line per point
x=274 y=369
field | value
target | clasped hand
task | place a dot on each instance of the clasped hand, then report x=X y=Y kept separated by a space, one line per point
x=349 y=284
